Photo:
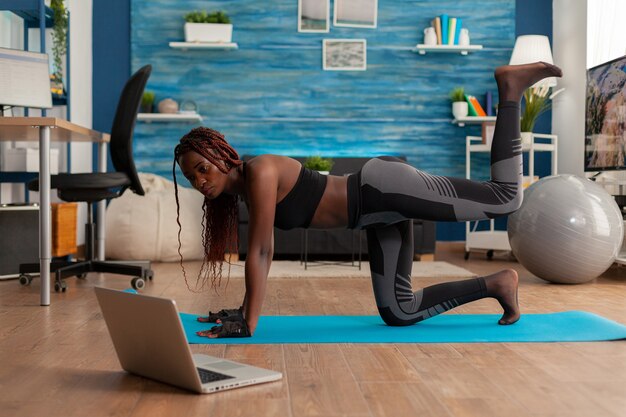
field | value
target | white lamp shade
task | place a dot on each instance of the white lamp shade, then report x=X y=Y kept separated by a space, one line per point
x=533 y=48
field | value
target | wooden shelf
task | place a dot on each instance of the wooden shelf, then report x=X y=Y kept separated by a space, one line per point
x=472 y=120
x=449 y=49
x=203 y=45
x=169 y=117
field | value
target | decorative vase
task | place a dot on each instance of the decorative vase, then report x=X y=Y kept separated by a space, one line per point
x=430 y=37
x=527 y=138
x=459 y=109
x=208 y=32
x=168 y=106
x=464 y=38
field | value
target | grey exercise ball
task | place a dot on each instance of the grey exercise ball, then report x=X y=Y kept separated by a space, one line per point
x=568 y=230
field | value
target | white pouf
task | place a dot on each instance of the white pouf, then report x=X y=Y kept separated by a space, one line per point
x=145 y=228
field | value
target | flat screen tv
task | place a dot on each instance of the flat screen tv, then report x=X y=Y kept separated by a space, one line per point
x=605 y=118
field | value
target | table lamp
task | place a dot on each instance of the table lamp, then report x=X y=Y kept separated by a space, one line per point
x=533 y=48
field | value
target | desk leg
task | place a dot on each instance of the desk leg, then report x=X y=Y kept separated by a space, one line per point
x=44 y=214
x=102 y=167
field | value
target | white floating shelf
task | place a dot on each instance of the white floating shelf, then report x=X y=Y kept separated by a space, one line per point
x=472 y=120
x=203 y=45
x=450 y=49
x=169 y=117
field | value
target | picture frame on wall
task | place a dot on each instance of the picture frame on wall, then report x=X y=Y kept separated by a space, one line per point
x=314 y=16
x=344 y=54
x=356 y=13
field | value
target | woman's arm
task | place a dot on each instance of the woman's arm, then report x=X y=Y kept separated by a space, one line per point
x=261 y=187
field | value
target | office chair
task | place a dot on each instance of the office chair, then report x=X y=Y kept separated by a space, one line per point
x=97 y=186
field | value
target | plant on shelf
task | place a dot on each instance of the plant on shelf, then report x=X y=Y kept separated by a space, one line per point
x=317 y=163
x=537 y=100
x=147 y=102
x=201 y=26
x=459 y=105
x=59 y=44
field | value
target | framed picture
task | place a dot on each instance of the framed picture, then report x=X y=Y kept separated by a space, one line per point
x=313 y=15
x=344 y=54
x=487 y=132
x=356 y=13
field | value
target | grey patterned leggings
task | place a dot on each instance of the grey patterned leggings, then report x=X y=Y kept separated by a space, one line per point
x=391 y=193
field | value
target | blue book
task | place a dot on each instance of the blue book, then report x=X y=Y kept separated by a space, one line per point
x=444 y=29
x=457 y=32
x=489 y=103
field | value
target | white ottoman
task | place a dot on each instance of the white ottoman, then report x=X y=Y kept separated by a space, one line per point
x=145 y=228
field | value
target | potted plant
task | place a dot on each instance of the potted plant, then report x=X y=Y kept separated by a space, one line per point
x=317 y=163
x=147 y=102
x=537 y=100
x=459 y=105
x=59 y=45
x=201 y=26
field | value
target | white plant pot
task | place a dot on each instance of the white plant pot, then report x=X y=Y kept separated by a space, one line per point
x=527 y=138
x=324 y=172
x=459 y=109
x=208 y=32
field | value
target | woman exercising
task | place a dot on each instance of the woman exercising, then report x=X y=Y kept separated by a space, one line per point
x=383 y=198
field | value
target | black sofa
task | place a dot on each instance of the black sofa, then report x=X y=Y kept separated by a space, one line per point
x=331 y=243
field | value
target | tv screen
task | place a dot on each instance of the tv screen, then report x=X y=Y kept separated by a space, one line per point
x=605 y=118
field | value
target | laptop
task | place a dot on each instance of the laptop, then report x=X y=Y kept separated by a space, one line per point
x=150 y=341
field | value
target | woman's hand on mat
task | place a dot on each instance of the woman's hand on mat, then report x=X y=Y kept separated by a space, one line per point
x=222 y=316
x=238 y=328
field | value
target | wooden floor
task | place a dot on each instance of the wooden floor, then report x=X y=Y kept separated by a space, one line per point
x=59 y=360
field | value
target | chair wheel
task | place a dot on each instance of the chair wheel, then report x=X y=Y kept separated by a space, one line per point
x=138 y=283
x=60 y=286
x=148 y=274
x=25 y=280
x=82 y=276
x=490 y=254
x=466 y=255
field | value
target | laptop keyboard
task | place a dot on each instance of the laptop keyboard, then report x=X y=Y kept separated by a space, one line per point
x=211 y=376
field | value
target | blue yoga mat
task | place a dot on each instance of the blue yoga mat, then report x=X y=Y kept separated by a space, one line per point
x=570 y=326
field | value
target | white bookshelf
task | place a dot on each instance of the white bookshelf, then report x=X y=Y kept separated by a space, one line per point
x=169 y=117
x=422 y=49
x=203 y=45
x=473 y=120
x=491 y=240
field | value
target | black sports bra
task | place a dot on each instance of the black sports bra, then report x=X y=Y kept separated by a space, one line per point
x=298 y=207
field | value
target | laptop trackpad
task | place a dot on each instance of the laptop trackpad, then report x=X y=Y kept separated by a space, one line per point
x=223 y=366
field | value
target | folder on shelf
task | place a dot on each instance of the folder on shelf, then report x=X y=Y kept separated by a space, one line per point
x=444 y=29
x=451 y=30
x=437 y=27
x=471 y=111
x=479 y=109
x=457 y=30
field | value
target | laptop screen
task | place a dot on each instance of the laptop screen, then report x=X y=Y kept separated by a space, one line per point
x=24 y=79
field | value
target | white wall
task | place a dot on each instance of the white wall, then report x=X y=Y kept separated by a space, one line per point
x=569 y=36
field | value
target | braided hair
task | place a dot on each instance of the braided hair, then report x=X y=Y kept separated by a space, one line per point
x=220 y=218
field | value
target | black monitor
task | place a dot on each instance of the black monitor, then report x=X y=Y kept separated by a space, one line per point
x=605 y=117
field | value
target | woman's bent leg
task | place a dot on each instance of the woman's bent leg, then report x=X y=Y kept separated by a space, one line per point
x=390 y=251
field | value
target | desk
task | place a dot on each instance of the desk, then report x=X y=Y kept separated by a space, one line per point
x=46 y=129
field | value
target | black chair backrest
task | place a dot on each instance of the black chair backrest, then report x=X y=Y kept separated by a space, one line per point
x=121 y=146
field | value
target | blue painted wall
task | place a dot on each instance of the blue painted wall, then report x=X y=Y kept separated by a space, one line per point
x=271 y=95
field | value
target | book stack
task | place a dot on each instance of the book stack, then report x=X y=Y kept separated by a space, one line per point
x=473 y=106
x=447 y=29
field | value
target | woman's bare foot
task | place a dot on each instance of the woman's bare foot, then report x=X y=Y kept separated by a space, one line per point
x=503 y=287
x=513 y=80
